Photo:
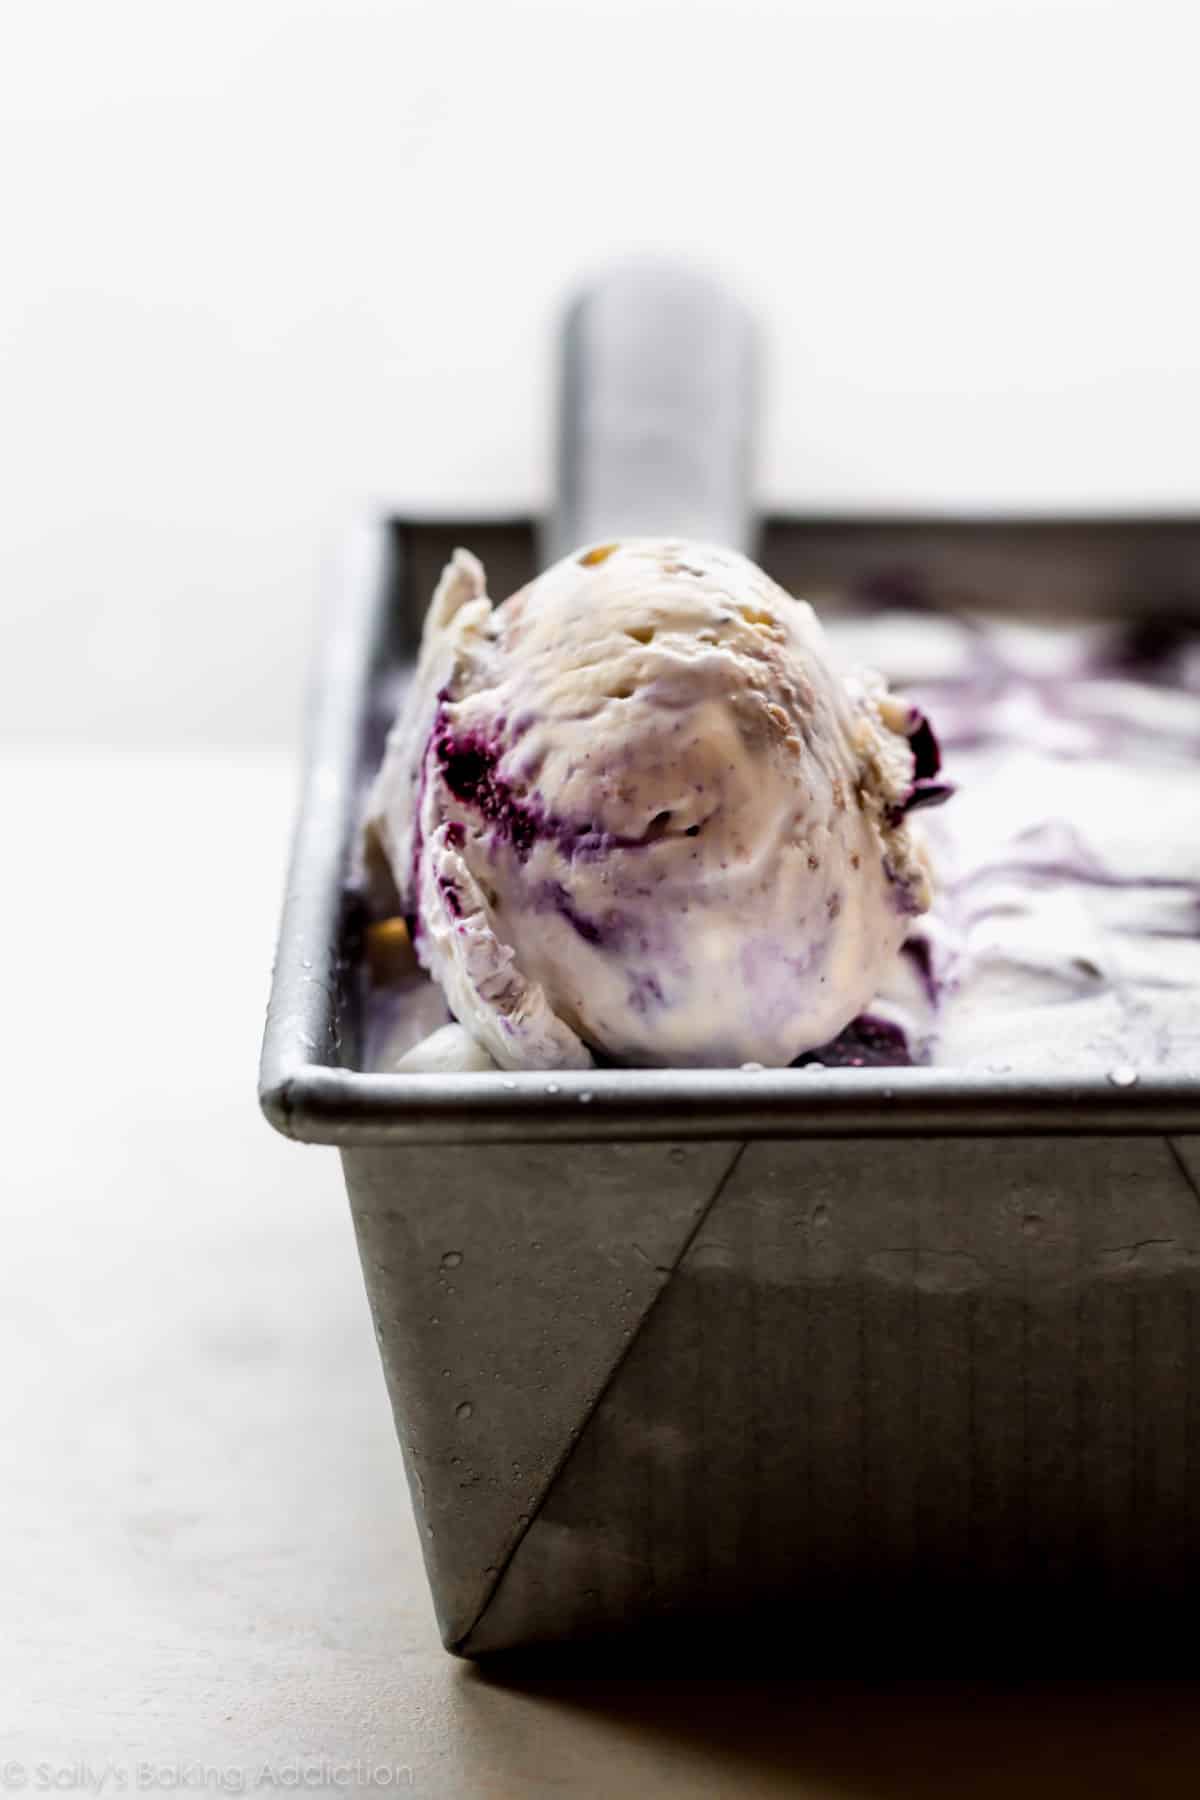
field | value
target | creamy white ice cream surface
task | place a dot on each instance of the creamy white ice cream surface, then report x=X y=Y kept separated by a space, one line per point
x=603 y=831
x=1065 y=936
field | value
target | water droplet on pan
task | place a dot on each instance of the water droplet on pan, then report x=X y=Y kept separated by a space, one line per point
x=463 y=1410
x=452 y=1259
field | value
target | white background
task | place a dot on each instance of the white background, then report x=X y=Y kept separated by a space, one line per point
x=267 y=261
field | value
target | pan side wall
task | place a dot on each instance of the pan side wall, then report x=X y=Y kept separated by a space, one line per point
x=894 y=1373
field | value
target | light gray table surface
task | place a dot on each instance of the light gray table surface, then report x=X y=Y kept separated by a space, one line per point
x=209 y=1571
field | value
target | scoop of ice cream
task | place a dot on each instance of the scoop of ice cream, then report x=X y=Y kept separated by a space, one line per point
x=633 y=811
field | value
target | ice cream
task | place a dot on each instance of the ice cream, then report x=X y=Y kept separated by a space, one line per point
x=1065 y=934
x=634 y=813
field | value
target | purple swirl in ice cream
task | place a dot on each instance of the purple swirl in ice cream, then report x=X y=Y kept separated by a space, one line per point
x=1065 y=934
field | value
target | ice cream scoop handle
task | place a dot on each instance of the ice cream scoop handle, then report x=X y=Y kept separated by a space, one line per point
x=656 y=412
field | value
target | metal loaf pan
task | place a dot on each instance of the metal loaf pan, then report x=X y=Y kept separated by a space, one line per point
x=799 y=1347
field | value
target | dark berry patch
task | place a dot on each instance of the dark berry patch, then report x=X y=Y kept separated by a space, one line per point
x=866 y=1043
